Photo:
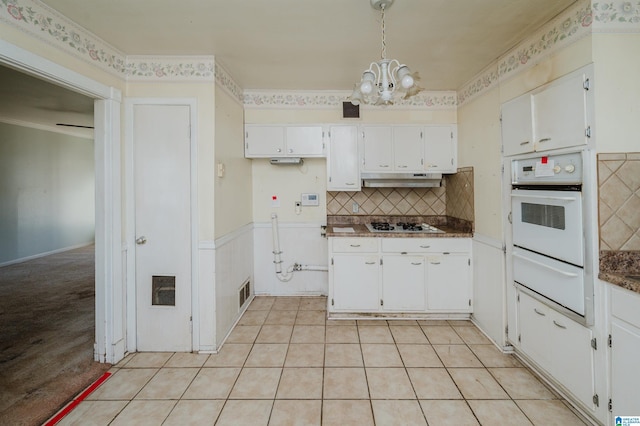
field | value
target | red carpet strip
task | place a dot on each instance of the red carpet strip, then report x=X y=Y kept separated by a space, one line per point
x=73 y=404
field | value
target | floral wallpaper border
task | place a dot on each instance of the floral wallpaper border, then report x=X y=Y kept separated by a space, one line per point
x=333 y=99
x=44 y=23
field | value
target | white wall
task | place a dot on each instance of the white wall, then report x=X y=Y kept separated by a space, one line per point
x=47 y=185
x=300 y=243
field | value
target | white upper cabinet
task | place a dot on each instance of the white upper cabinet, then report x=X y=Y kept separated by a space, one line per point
x=304 y=141
x=265 y=141
x=517 y=126
x=377 y=149
x=343 y=172
x=410 y=149
x=407 y=148
x=560 y=111
x=556 y=115
x=441 y=148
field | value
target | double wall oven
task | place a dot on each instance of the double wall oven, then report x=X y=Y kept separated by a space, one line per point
x=548 y=231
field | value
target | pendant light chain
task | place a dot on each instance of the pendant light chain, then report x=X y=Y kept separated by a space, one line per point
x=384 y=42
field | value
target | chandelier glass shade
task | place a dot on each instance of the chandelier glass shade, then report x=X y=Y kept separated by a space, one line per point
x=387 y=79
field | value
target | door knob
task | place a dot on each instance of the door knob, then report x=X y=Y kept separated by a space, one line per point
x=142 y=240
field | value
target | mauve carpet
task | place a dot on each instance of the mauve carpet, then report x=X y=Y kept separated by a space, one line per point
x=47 y=317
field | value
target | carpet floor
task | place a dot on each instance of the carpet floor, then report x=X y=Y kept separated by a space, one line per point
x=47 y=333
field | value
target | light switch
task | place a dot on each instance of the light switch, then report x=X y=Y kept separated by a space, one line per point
x=220 y=170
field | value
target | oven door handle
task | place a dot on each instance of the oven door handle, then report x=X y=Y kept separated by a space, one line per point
x=559 y=271
x=544 y=197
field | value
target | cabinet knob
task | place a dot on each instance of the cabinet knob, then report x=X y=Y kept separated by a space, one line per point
x=278 y=150
x=290 y=151
x=544 y=140
x=524 y=143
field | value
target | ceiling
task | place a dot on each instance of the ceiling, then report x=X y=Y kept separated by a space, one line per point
x=289 y=44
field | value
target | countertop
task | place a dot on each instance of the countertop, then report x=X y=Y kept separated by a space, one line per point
x=617 y=268
x=453 y=228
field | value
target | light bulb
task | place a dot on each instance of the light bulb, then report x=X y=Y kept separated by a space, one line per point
x=366 y=87
x=407 y=81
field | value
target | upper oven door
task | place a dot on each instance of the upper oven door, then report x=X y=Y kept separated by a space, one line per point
x=549 y=222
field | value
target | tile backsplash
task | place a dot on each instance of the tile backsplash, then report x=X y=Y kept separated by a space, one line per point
x=619 y=201
x=454 y=198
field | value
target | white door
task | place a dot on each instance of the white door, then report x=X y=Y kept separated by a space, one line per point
x=403 y=283
x=407 y=148
x=162 y=164
x=378 y=149
x=342 y=162
x=440 y=149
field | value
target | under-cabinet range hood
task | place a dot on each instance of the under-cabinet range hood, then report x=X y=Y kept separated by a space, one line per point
x=402 y=180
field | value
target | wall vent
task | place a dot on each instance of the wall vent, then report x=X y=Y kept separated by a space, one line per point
x=244 y=293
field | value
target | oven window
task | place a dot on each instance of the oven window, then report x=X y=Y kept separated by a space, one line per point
x=543 y=215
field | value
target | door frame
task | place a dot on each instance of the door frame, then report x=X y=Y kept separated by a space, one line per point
x=130 y=236
x=109 y=304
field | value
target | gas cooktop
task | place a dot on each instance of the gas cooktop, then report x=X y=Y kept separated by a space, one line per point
x=402 y=227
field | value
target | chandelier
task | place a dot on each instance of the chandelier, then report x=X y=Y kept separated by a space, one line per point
x=387 y=79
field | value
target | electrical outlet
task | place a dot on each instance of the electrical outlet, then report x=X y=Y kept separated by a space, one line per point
x=355 y=207
x=275 y=201
x=298 y=207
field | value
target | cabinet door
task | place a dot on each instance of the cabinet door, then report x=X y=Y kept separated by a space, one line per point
x=440 y=149
x=355 y=283
x=572 y=356
x=560 y=113
x=533 y=319
x=263 y=141
x=343 y=172
x=403 y=283
x=625 y=375
x=517 y=126
x=449 y=283
x=304 y=141
x=377 y=148
x=407 y=148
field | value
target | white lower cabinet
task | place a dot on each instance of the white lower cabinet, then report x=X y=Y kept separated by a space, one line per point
x=362 y=274
x=625 y=347
x=400 y=275
x=403 y=283
x=558 y=345
x=449 y=278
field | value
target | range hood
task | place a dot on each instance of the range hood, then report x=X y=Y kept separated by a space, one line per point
x=401 y=180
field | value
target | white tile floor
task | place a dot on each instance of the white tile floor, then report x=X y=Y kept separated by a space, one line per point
x=285 y=364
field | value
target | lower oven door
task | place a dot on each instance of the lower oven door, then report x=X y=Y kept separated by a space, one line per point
x=549 y=222
x=558 y=281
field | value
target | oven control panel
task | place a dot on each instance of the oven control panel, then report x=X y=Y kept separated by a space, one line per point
x=561 y=169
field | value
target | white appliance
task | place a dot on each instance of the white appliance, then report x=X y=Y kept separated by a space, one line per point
x=548 y=232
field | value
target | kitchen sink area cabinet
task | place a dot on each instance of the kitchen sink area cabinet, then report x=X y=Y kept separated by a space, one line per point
x=625 y=347
x=267 y=141
x=343 y=171
x=441 y=149
x=559 y=346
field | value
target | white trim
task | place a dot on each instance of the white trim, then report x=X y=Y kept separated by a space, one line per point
x=108 y=201
x=130 y=237
x=47 y=128
x=289 y=224
x=488 y=241
x=231 y=236
x=47 y=253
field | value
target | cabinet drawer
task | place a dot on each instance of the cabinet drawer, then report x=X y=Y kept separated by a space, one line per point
x=425 y=245
x=354 y=245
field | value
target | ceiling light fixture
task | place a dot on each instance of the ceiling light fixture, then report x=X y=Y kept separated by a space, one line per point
x=379 y=83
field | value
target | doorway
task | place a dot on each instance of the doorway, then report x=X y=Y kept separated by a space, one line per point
x=162 y=203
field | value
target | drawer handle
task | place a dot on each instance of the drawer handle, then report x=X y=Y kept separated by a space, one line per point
x=435 y=263
x=369 y=263
x=403 y=167
x=559 y=325
x=425 y=246
x=383 y=165
x=416 y=263
x=538 y=312
x=354 y=245
x=544 y=140
x=349 y=183
x=524 y=143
